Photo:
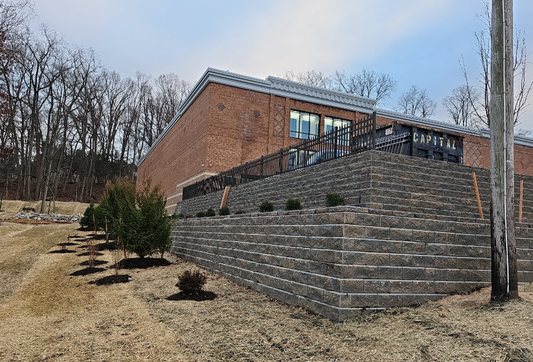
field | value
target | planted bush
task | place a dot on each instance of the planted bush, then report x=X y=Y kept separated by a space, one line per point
x=87 y=219
x=191 y=282
x=145 y=226
x=240 y=211
x=334 y=199
x=266 y=207
x=210 y=212
x=224 y=211
x=293 y=204
x=200 y=214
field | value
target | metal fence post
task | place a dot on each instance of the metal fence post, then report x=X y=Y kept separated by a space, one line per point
x=335 y=142
x=281 y=160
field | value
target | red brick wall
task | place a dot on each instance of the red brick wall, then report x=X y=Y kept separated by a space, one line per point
x=181 y=153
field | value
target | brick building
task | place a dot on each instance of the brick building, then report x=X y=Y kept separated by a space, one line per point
x=229 y=119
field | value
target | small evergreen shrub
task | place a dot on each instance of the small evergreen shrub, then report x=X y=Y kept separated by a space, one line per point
x=334 y=199
x=210 y=212
x=266 y=207
x=240 y=211
x=224 y=211
x=191 y=282
x=200 y=214
x=293 y=204
x=87 y=219
x=180 y=216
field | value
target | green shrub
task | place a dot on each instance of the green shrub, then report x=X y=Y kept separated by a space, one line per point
x=266 y=207
x=200 y=214
x=240 y=211
x=87 y=219
x=119 y=196
x=334 y=199
x=191 y=282
x=293 y=204
x=224 y=211
x=210 y=212
x=178 y=216
x=145 y=225
x=137 y=217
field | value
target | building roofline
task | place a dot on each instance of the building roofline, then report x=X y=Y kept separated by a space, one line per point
x=272 y=85
x=302 y=92
x=479 y=132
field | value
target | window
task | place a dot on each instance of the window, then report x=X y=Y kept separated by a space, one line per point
x=329 y=125
x=304 y=125
x=297 y=157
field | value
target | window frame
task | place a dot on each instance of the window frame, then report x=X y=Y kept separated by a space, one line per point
x=296 y=129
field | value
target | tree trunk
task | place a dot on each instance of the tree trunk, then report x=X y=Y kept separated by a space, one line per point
x=503 y=241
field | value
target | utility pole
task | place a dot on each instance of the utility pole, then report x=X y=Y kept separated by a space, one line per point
x=503 y=240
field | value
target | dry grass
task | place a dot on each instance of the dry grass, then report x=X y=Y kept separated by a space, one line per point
x=48 y=315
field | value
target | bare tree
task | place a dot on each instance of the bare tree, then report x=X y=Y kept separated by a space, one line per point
x=459 y=105
x=311 y=77
x=483 y=48
x=416 y=102
x=378 y=86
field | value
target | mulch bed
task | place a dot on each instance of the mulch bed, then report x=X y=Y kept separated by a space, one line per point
x=96 y=262
x=102 y=246
x=62 y=251
x=199 y=296
x=87 y=253
x=67 y=244
x=144 y=263
x=112 y=279
x=87 y=271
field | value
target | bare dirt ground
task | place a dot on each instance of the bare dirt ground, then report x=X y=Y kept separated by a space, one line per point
x=48 y=315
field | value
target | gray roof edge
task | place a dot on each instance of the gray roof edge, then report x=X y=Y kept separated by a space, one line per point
x=327 y=96
x=479 y=132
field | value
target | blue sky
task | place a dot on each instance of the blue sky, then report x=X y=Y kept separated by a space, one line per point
x=417 y=42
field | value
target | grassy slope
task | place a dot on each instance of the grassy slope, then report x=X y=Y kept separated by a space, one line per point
x=48 y=315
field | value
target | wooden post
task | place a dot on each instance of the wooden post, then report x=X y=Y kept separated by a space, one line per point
x=477 y=195
x=521 y=198
x=225 y=197
x=504 y=277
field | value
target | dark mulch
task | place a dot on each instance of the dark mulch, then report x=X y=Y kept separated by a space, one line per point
x=62 y=251
x=144 y=263
x=112 y=279
x=102 y=246
x=198 y=296
x=87 y=271
x=67 y=244
x=96 y=262
x=87 y=253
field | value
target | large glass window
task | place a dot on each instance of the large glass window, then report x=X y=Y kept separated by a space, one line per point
x=304 y=125
x=330 y=123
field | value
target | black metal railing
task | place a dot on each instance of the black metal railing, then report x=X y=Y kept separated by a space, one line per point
x=357 y=137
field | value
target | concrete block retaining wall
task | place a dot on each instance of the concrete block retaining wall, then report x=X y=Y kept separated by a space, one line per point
x=339 y=261
x=411 y=233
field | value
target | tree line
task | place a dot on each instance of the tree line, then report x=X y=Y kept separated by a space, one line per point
x=65 y=118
